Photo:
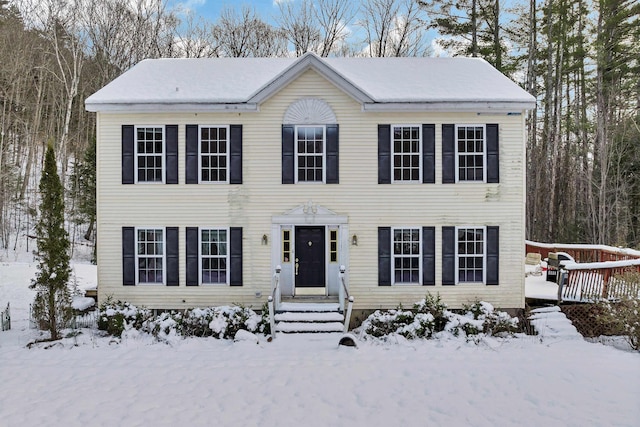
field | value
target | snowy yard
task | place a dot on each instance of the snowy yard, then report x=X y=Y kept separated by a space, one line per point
x=554 y=380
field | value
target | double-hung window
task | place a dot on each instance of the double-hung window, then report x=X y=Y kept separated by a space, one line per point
x=149 y=154
x=470 y=254
x=470 y=152
x=406 y=153
x=213 y=256
x=214 y=152
x=406 y=255
x=310 y=153
x=150 y=253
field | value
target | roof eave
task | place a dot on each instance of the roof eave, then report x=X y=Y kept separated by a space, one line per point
x=457 y=106
x=116 y=107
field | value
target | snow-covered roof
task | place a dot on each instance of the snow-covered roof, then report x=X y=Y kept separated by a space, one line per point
x=214 y=84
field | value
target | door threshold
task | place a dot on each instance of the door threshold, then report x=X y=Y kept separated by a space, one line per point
x=310 y=291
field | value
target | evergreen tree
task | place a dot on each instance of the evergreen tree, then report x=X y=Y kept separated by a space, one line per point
x=51 y=307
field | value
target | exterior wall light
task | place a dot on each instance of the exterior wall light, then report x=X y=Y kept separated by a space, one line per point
x=354 y=240
x=265 y=240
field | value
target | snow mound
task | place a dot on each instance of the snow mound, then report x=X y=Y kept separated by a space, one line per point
x=551 y=323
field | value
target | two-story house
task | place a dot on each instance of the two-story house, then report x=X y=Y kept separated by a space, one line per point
x=409 y=172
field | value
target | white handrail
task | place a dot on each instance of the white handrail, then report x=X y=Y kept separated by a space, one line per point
x=274 y=297
x=344 y=293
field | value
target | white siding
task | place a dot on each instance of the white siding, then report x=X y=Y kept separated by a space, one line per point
x=367 y=204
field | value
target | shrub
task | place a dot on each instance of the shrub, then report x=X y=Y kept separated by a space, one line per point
x=115 y=317
x=623 y=317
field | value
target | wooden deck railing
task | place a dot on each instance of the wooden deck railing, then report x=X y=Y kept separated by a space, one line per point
x=602 y=280
x=583 y=253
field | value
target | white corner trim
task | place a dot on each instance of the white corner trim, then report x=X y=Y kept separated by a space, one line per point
x=307 y=111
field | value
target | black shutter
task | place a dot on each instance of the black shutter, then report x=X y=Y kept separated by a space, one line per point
x=384 y=256
x=127 y=154
x=128 y=256
x=448 y=255
x=448 y=154
x=493 y=250
x=235 y=253
x=384 y=154
x=235 y=161
x=429 y=256
x=429 y=154
x=171 y=135
x=172 y=256
x=191 y=165
x=332 y=155
x=192 y=256
x=493 y=157
x=288 y=154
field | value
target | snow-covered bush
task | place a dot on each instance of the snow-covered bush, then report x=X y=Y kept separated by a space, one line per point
x=115 y=317
x=430 y=317
x=623 y=318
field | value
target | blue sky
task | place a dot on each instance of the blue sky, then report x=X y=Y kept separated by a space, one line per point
x=210 y=9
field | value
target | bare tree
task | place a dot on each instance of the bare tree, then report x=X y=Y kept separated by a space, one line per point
x=195 y=39
x=333 y=16
x=298 y=22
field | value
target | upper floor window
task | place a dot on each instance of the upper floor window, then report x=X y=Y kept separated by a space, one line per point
x=406 y=153
x=470 y=153
x=214 y=151
x=310 y=143
x=149 y=154
x=150 y=255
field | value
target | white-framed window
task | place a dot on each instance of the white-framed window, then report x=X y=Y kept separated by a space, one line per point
x=471 y=153
x=214 y=256
x=406 y=253
x=470 y=254
x=310 y=143
x=213 y=152
x=406 y=153
x=150 y=255
x=149 y=153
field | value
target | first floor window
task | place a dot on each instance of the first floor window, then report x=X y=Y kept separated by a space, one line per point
x=470 y=254
x=406 y=153
x=406 y=255
x=213 y=253
x=310 y=153
x=470 y=147
x=150 y=255
x=149 y=154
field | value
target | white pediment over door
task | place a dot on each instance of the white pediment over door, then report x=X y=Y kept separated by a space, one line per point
x=309 y=213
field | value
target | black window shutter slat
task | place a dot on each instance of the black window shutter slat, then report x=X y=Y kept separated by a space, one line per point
x=128 y=256
x=127 y=154
x=172 y=256
x=332 y=155
x=493 y=251
x=493 y=154
x=193 y=271
x=448 y=154
x=171 y=135
x=235 y=253
x=448 y=255
x=235 y=152
x=191 y=154
x=429 y=256
x=429 y=154
x=384 y=154
x=288 y=153
x=384 y=256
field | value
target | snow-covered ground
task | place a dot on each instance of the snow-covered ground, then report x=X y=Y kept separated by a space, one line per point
x=554 y=379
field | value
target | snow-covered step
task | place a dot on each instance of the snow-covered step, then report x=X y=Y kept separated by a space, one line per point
x=552 y=323
x=308 y=307
x=317 y=316
x=309 y=327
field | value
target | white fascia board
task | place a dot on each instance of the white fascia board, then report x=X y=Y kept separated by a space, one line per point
x=166 y=107
x=309 y=61
x=465 y=106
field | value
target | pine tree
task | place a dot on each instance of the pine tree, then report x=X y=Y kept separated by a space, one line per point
x=51 y=307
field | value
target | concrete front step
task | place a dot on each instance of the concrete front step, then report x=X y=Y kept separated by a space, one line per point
x=317 y=316
x=308 y=307
x=309 y=327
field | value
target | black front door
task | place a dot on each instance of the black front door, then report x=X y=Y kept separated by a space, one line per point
x=309 y=257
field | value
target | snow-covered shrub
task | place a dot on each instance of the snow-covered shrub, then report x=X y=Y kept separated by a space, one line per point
x=430 y=317
x=228 y=320
x=115 y=317
x=162 y=326
x=623 y=317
